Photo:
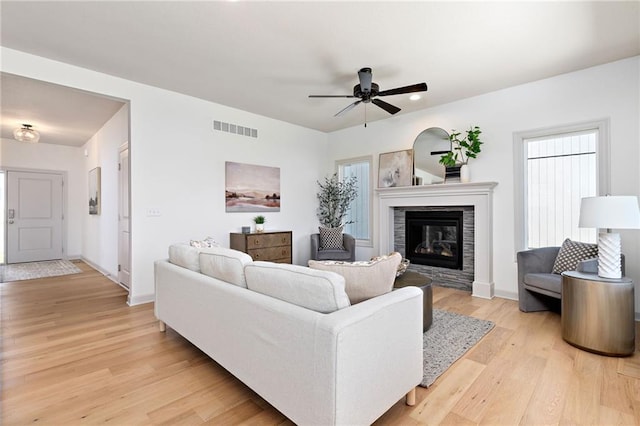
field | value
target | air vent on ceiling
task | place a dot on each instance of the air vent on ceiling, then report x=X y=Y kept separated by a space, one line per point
x=235 y=129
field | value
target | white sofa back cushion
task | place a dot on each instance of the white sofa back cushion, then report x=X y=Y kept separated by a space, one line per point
x=225 y=264
x=182 y=254
x=364 y=280
x=319 y=291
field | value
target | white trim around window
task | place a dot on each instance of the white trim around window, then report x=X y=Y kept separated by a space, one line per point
x=362 y=242
x=520 y=173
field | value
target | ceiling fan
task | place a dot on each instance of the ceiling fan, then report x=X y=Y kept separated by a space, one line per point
x=368 y=91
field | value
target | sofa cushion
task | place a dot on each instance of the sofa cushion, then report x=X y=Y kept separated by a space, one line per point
x=549 y=282
x=331 y=238
x=571 y=253
x=225 y=264
x=364 y=280
x=187 y=254
x=183 y=254
x=316 y=290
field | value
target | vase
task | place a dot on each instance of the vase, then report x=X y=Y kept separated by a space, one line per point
x=465 y=174
x=259 y=227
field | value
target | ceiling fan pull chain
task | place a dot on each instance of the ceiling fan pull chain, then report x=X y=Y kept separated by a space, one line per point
x=365 y=115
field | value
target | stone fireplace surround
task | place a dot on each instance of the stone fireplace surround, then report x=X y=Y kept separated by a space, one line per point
x=476 y=194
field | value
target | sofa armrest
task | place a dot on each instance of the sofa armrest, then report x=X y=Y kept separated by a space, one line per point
x=315 y=246
x=537 y=261
x=349 y=243
x=389 y=326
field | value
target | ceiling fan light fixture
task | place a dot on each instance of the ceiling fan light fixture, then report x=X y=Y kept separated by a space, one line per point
x=414 y=97
x=26 y=133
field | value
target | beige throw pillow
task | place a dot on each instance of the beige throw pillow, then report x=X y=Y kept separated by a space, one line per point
x=364 y=280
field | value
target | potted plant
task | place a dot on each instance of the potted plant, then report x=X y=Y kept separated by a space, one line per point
x=259 y=221
x=462 y=150
x=334 y=199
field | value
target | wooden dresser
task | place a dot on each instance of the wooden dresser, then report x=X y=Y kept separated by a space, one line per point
x=268 y=246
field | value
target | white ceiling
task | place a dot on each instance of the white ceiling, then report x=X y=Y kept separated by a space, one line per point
x=267 y=57
x=63 y=116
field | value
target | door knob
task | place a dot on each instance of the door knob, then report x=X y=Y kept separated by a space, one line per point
x=10 y=221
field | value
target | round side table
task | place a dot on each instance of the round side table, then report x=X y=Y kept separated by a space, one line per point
x=598 y=313
x=410 y=278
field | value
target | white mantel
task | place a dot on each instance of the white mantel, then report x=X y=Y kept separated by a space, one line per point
x=476 y=194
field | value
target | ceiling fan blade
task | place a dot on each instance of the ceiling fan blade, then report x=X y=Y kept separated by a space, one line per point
x=331 y=96
x=365 y=79
x=420 y=87
x=348 y=108
x=391 y=109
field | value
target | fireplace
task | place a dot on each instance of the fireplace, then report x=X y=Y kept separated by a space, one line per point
x=434 y=238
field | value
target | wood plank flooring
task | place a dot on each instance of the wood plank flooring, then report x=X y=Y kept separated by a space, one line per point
x=73 y=352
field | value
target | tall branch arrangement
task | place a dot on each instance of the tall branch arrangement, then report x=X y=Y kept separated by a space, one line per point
x=335 y=197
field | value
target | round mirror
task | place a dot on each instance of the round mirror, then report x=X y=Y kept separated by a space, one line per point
x=427 y=150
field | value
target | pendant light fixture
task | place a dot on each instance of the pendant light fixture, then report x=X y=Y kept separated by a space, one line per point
x=26 y=134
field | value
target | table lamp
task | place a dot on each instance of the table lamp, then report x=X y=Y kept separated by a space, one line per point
x=610 y=212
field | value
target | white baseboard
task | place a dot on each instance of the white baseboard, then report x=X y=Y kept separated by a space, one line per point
x=482 y=290
x=103 y=272
x=510 y=295
x=140 y=300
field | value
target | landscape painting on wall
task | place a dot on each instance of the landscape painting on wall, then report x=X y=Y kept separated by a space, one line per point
x=251 y=188
x=395 y=169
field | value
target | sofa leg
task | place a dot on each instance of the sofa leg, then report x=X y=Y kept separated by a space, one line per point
x=411 y=397
x=162 y=326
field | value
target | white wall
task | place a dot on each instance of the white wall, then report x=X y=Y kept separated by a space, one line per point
x=177 y=165
x=100 y=232
x=20 y=155
x=607 y=91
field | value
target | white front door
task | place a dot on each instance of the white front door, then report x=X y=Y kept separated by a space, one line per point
x=124 y=260
x=34 y=216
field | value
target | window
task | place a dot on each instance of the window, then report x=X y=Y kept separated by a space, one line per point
x=556 y=168
x=360 y=212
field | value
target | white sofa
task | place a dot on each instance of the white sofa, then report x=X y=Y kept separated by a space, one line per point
x=261 y=322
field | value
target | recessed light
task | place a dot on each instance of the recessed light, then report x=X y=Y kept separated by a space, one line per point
x=414 y=97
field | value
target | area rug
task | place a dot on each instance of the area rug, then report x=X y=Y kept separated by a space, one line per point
x=32 y=270
x=450 y=336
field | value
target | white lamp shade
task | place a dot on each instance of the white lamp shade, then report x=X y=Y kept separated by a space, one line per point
x=612 y=212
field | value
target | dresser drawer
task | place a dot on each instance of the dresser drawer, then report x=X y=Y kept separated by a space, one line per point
x=268 y=240
x=271 y=254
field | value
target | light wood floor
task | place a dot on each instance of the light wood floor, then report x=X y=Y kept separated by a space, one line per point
x=73 y=352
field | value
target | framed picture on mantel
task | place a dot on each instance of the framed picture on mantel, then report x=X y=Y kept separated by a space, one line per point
x=395 y=169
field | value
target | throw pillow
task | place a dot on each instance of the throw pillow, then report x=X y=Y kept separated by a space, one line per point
x=364 y=279
x=331 y=238
x=571 y=253
x=206 y=243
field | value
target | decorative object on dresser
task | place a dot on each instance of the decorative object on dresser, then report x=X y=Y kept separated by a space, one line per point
x=395 y=169
x=272 y=246
x=259 y=221
x=610 y=212
x=461 y=151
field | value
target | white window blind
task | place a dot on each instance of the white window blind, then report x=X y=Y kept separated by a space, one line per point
x=359 y=213
x=560 y=170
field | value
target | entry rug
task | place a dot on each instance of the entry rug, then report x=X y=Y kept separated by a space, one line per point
x=451 y=335
x=32 y=270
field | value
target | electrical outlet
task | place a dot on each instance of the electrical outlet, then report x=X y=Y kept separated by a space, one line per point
x=153 y=212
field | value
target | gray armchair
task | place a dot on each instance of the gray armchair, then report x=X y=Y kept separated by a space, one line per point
x=347 y=255
x=538 y=288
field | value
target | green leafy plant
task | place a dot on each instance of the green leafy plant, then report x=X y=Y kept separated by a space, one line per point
x=334 y=198
x=462 y=149
x=259 y=219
